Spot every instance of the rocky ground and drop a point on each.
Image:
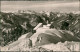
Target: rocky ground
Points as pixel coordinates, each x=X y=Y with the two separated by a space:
x=45 y=40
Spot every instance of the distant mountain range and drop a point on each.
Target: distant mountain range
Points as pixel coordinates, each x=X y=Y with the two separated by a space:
x=40 y=0
x=65 y=6
x=12 y=29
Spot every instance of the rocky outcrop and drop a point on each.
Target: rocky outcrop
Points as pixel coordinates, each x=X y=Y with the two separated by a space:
x=46 y=36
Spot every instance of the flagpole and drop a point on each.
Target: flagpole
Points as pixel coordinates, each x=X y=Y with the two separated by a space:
x=79 y=5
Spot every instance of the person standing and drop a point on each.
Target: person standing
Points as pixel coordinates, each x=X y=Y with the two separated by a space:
x=29 y=43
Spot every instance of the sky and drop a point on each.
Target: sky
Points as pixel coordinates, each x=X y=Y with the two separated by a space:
x=62 y=6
